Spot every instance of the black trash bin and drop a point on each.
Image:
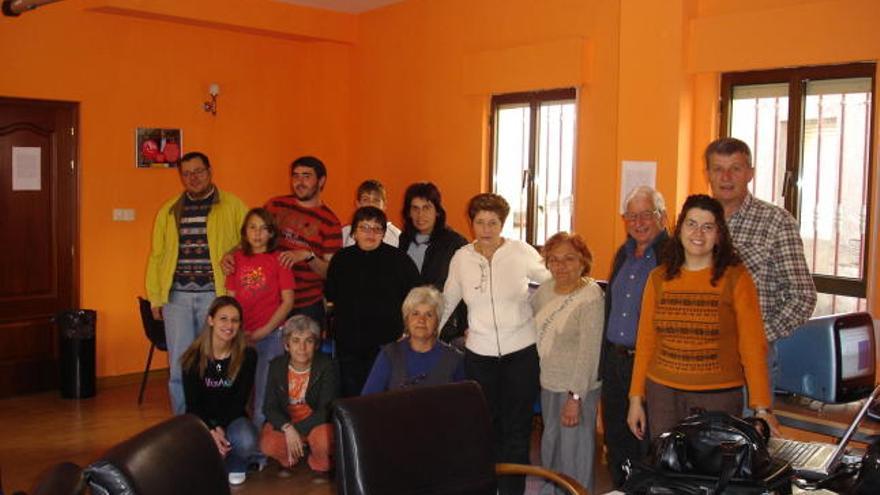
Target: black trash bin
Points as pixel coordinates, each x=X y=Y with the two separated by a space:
x=76 y=332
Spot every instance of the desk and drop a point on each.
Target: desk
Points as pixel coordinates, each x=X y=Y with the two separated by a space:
x=829 y=419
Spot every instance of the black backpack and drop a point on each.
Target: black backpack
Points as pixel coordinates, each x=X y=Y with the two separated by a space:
x=868 y=482
x=711 y=453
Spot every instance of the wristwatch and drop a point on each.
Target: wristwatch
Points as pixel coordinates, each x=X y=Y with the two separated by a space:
x=574 y=396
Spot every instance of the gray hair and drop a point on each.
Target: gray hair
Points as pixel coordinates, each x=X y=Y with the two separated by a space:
x=300 y=323
x=727 y=146
x=425 y=294
x=651 y=194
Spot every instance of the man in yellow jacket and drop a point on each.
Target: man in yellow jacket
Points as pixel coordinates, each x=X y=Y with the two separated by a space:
x=190 y=235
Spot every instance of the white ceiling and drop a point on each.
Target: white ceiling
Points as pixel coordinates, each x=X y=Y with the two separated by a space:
x=350 y=6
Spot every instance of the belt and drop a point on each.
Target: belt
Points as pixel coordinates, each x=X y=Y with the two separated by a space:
x=621 y=349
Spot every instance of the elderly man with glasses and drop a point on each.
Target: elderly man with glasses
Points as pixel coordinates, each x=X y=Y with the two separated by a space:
x=645 y=220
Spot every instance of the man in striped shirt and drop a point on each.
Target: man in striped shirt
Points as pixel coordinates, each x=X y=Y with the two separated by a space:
x=309 y=234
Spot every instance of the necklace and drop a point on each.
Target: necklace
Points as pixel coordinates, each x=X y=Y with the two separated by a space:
x=577 y=286
x=303 y=371
x=549 y=321
x=487 y=251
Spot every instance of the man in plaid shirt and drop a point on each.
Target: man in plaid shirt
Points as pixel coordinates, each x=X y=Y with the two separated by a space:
x=766 y=238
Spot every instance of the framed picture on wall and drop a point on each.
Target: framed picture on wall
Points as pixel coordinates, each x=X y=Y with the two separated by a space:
x=157 y=148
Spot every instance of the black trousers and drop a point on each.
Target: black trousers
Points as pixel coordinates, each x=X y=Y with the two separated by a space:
x=353 y=371
x=510 y=384
x=622 y=445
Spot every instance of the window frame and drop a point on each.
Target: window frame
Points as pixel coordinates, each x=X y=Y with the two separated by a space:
x=533 y=99
x=797 y=79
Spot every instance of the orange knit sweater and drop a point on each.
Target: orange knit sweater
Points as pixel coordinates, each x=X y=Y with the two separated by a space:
x=698 y=337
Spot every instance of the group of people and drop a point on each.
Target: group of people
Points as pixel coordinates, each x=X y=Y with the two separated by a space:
x=686 y=320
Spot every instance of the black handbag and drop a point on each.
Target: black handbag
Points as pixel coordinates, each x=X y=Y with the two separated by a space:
x=711 y=453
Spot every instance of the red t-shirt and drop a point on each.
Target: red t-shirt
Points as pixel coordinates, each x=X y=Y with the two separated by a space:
x=316 y=229
x=258 y=281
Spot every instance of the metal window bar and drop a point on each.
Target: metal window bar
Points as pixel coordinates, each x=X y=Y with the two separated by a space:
x=775 y=147
x=815 y=234
x=753 y=186
x=521 y=230
x=866 y=153
x=560 y=145
x=840 y=178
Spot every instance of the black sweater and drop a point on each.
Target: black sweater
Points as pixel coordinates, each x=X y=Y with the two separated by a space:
x=212 y=397
x=367 y=289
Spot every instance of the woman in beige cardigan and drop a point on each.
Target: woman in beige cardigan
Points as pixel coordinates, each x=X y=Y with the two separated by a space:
x=569 y=313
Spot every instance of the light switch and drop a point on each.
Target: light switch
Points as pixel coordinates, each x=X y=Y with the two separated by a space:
x=123 y=214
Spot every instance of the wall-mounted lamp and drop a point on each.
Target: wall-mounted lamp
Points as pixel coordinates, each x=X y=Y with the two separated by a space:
x=14 y=8
x=211 y=104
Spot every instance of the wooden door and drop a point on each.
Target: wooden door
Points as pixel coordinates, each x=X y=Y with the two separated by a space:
x=38 y=224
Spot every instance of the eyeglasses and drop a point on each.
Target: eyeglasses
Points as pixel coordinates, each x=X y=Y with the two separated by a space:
x=644 y=216
x=199 y=172
x=370 y=229
x=706 y=228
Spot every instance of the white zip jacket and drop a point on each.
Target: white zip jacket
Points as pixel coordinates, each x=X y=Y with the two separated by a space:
x=500 y=317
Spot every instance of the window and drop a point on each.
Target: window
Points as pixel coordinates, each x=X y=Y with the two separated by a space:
x=810 y=133
x=533 y=143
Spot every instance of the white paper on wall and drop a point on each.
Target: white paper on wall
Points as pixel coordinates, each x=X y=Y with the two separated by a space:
x=634 y=174
x=26 y=168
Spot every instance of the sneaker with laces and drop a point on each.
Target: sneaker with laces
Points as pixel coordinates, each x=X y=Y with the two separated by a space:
x=237 y=478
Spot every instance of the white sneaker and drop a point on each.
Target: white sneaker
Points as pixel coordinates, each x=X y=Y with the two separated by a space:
x=237 y=478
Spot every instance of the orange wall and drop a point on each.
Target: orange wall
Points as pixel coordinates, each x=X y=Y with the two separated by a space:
x=279 y=98
x=424 y=73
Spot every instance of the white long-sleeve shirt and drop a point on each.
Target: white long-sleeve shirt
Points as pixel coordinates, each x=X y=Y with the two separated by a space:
x=500 y=317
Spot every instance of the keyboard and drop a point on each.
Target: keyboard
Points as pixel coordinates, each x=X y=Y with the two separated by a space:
x=801 y=455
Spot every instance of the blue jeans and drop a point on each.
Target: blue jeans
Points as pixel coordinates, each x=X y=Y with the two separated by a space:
x=185 y=314
x=242 y=437
x=268 y=349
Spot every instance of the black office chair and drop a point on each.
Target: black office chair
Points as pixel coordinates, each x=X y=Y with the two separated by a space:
x=423 y=440
x=155 y=331
x=176 y=457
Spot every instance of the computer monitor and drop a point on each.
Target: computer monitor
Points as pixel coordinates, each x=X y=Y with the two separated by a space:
x=829 y=358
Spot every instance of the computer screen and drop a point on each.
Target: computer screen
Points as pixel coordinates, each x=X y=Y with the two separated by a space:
x=829 y=358
x=856 y=352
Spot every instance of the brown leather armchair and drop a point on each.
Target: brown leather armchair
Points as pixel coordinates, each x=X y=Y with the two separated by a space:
x=175 y=457
x=425 y=440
